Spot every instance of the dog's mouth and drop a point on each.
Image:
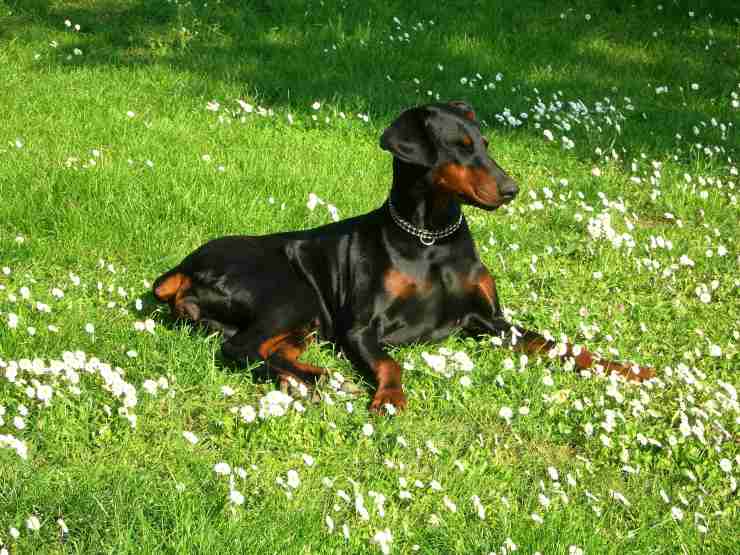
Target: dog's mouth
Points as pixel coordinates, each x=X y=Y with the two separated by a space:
x=475 y=186
x=488 y=202
x=507 y=198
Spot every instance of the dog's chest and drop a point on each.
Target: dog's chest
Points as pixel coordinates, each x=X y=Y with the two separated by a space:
x=431 y=284
x=425 y=303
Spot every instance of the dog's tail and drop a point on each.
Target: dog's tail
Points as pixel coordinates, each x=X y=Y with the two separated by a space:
x=167 y=285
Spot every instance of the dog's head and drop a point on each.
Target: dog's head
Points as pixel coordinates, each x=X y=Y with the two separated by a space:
x=445 y=139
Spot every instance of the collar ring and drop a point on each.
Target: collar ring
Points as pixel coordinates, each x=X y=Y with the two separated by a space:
x=425 y=236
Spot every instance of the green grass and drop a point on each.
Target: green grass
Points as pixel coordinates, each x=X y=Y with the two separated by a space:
x=150 y=198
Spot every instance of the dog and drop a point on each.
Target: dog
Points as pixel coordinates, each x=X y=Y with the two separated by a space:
x=406 y=272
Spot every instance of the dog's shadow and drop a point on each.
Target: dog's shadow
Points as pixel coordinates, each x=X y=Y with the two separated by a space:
x=154 y=309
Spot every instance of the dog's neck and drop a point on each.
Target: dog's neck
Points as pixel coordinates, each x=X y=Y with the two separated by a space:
x=417 y=203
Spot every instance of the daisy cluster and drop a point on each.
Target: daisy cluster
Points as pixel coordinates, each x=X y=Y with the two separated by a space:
x=671 y=418
x=32 y=386
x=396 y=35
x=67 y=54
x=569 y=117
x=30 y=305
x=272 y=405
x=331 y=391
x=614 y=224
x=30 y=310
x=39 y=382
x=82 y=162
x=448 y=364
x=318 y=114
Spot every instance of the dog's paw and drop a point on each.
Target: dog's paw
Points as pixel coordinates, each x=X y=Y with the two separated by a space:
x=643 y=373
x=392 y=396
x=632 y=373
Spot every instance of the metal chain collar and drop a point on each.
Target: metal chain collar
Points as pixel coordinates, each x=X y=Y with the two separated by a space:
x=426 y=237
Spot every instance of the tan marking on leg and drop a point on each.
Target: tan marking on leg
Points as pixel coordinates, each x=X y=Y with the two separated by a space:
x=388 y=374
x=482 y=286
x=269 y=346
x=487 y=288
x=625 y=370
x=169 y=287
x=286 y=348
x=534 y=345
x=291 y=349
x=179 y=306
x=584 y=360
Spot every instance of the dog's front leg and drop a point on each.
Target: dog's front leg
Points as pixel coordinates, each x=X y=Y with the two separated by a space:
x=362 y=346
x=531 y=342
x=488 y=318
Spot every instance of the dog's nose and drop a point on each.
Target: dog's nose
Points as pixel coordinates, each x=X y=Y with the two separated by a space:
x=508 y=188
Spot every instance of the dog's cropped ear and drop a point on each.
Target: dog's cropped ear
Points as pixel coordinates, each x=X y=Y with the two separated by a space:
x=408 y=138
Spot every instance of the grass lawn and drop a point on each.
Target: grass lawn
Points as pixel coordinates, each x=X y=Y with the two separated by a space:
x=132 y=131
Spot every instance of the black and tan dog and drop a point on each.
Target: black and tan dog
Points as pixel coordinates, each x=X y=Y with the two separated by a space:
x=405 y=272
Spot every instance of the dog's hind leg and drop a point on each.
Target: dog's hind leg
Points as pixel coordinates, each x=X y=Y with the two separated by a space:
x=278 y=351
x=167 y=285
x=173 y=287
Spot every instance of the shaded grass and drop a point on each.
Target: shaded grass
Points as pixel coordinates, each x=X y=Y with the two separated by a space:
x=276 y=53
